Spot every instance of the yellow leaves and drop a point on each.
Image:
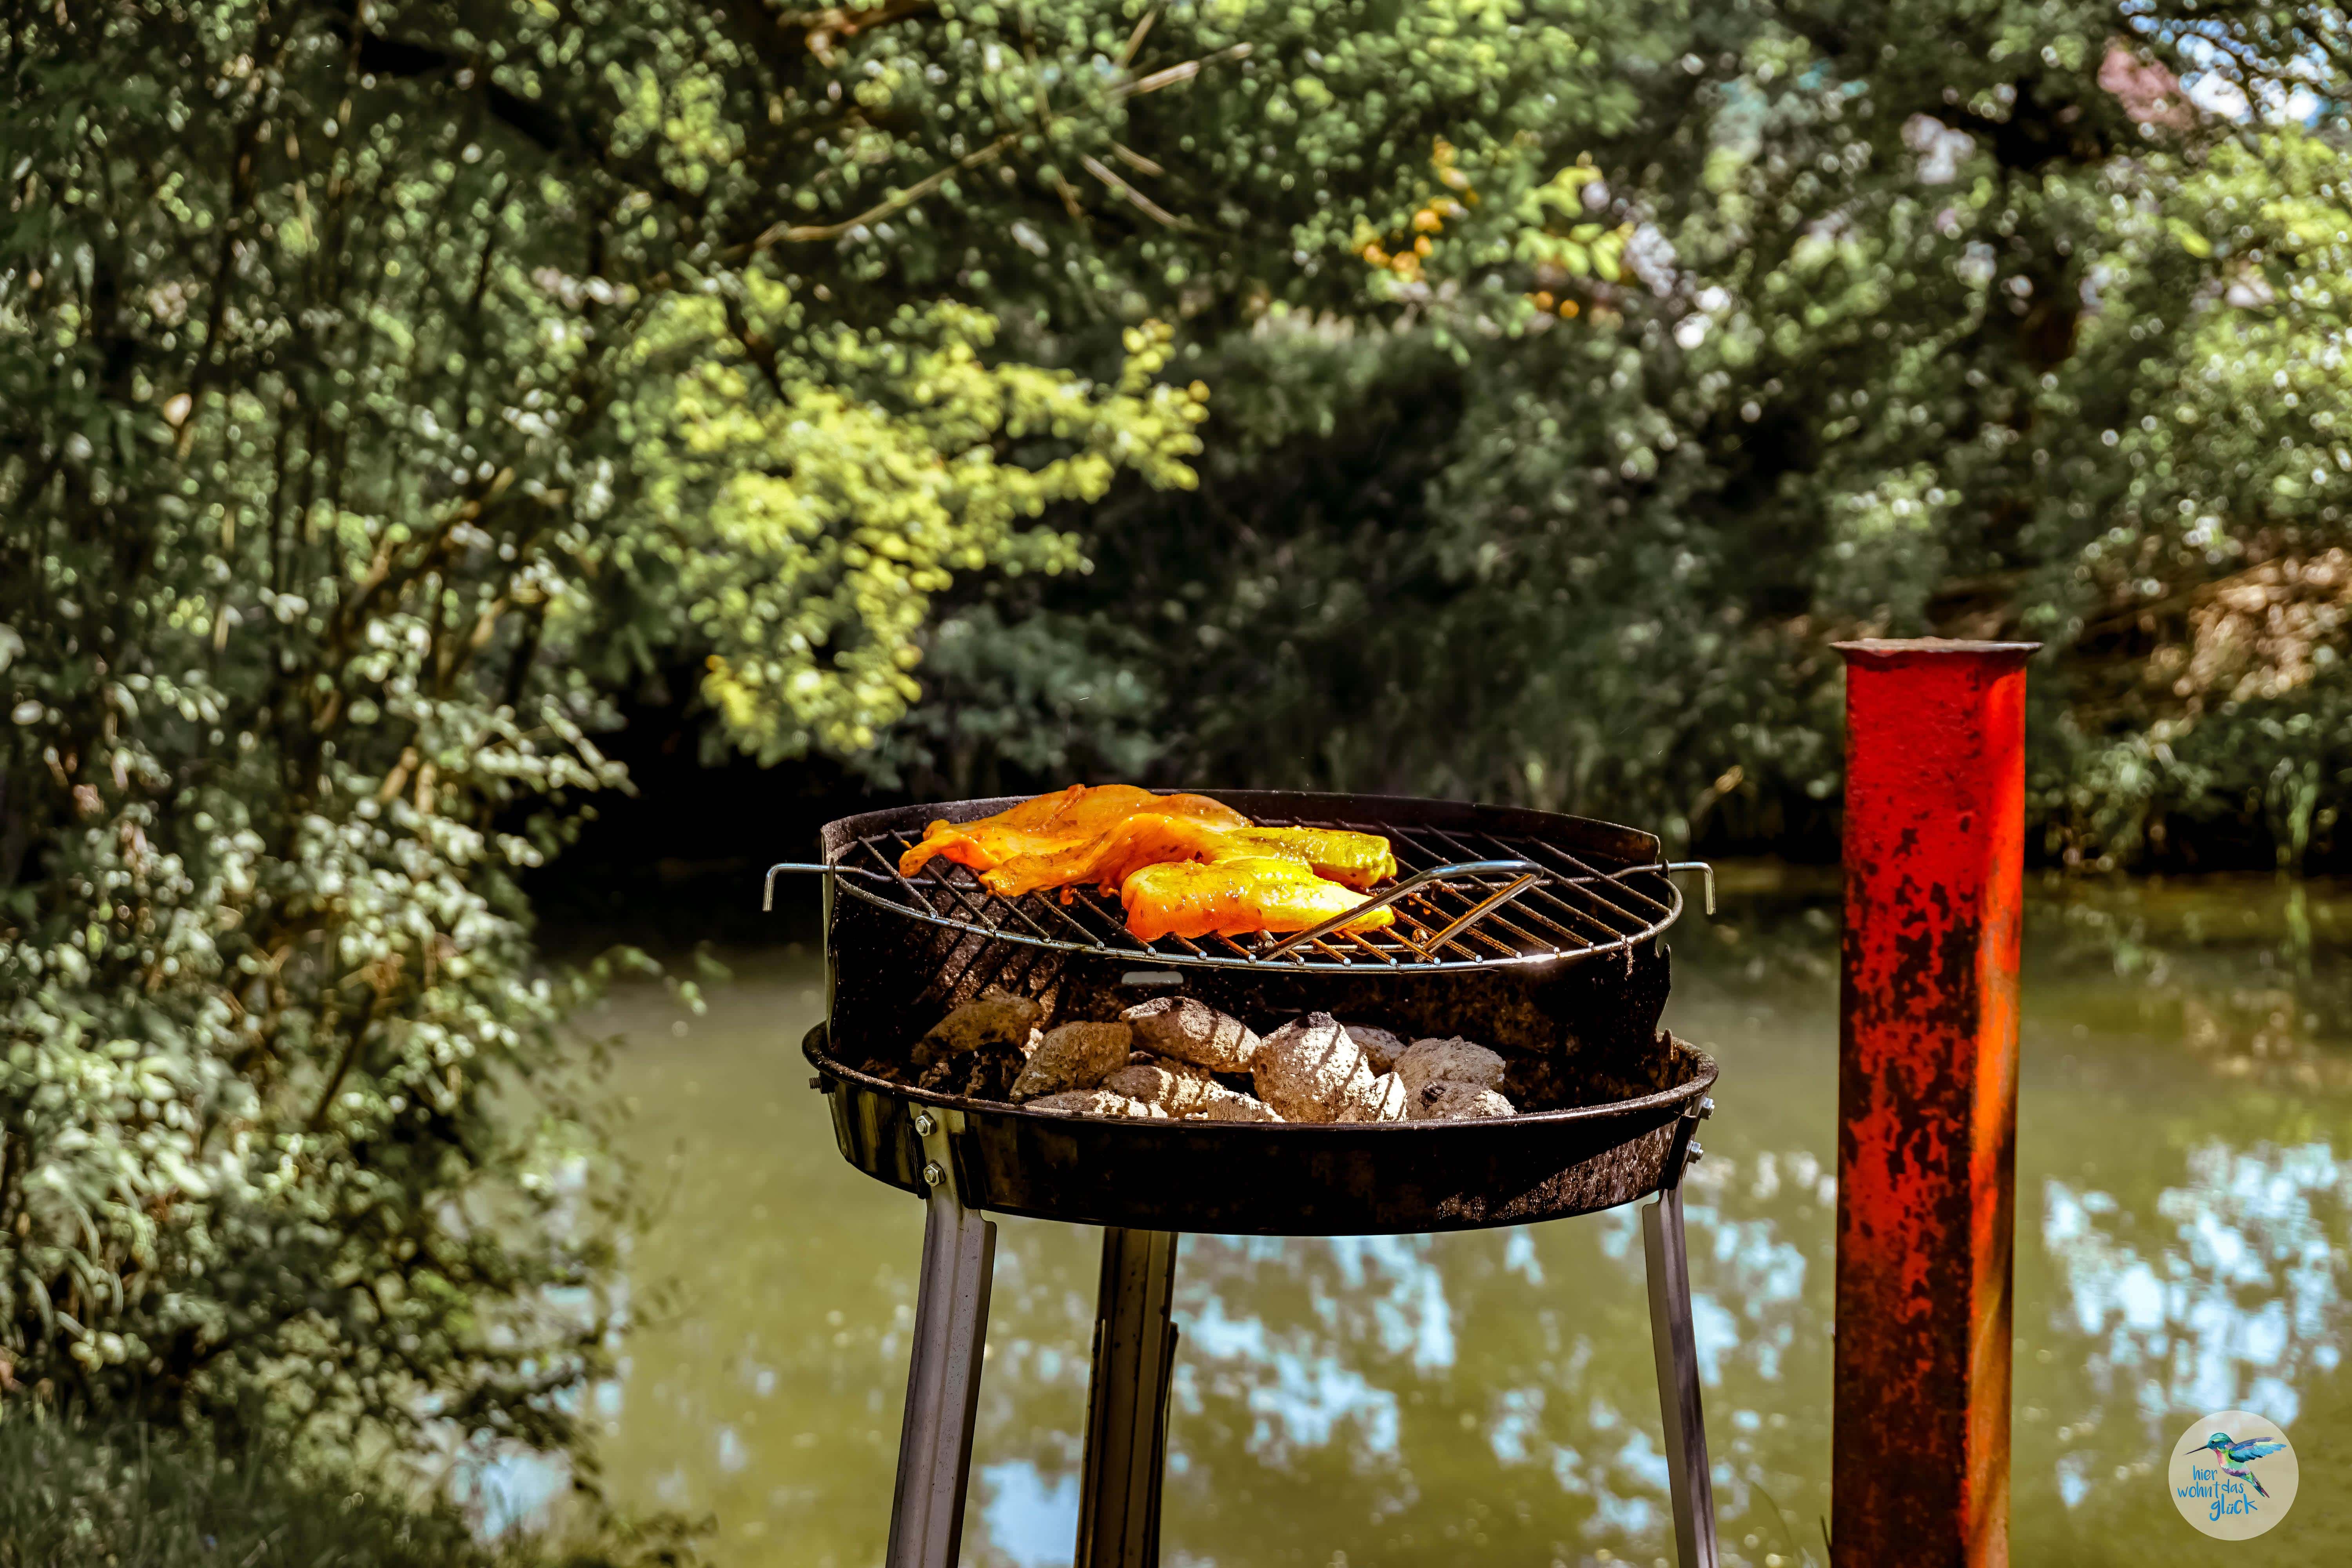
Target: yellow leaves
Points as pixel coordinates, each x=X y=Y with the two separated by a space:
x=818 y=513
x=684 y=115
x=1442 y=157
x=1562 y=194
x=1587 y=250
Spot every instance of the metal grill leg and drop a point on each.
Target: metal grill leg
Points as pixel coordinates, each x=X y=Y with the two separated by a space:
x=1671 y=1340
x=942 y=1384
x=1127 y=1401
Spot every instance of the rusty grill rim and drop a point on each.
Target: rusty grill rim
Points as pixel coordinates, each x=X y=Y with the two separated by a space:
x=1695 y=1087
x=854 y=833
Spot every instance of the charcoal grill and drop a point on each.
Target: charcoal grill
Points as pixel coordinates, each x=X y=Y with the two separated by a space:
x=1537 y=933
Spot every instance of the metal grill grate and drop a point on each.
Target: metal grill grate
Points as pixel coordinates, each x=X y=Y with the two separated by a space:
x=1463 y=897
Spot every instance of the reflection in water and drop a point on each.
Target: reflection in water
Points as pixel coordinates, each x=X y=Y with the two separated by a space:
x=1029 y=1520
x=2233 y=1308
x=2183 y=1220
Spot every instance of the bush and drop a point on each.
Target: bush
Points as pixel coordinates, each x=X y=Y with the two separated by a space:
x=80 y=1496
x=1840 y=333
x=382 y=387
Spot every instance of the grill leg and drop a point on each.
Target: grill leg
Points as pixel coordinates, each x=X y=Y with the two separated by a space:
x=942 y=1384
x=1671 y=1340
x=1127 y=1401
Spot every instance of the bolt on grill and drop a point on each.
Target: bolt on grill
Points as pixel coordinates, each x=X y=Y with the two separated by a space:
x=1463 y=898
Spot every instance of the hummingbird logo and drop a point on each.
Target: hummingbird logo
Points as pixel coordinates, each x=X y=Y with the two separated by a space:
x=2238 y=1456
x=2233 y=1474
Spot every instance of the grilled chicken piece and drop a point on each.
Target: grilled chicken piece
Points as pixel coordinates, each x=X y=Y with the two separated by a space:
x=1196 y=899
x=1153 y=838
x=1066 y=819
x=1357 y=859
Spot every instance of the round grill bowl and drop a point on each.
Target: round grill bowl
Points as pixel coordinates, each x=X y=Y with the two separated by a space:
x=1254 y=1179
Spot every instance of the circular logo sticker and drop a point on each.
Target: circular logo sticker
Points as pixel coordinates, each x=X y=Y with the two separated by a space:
x=2233 y=1475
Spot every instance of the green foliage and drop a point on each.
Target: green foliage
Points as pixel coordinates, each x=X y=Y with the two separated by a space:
x=1822 y=330
x=1507 y=399
x=383 y=383
x=73 y=1495
x=819 y=500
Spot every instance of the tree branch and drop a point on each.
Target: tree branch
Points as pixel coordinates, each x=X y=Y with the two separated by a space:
x=839 y=24
x=1095 y=166
x=1179 y=73
x=810 y=234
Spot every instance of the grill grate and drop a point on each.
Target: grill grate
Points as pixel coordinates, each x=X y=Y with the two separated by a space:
x=1465 y=898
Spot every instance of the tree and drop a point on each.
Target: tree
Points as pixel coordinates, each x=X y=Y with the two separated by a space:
x=1925 y=319
x=383 y=383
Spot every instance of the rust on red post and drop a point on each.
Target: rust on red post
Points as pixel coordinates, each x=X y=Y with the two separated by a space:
x=1934 y=823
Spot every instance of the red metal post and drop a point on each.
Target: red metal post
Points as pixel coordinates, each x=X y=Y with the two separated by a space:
x=1935 y=819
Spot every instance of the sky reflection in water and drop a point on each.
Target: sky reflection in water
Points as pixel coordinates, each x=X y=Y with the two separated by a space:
x=2183 y=1223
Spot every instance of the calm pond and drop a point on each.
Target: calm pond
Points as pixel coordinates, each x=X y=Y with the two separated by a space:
x=2185 y=1208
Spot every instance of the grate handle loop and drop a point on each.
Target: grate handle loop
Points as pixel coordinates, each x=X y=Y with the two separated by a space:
x=809 y=868
x=1699 y=865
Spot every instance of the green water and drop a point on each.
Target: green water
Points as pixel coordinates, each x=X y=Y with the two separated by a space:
x=2184 y=1205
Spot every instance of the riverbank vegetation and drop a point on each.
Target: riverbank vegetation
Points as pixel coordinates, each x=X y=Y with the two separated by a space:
x=131 y=1495
x=1504 y=400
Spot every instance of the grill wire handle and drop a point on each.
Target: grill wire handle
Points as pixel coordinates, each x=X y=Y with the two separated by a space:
x=768 y=887
x=1700 y=866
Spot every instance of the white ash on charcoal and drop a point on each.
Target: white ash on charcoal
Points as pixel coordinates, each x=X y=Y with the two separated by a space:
x=1192 y=1031
x=1232 y=1105
x=1072 y=1057
x=1380 y=1046
x=1177 y=1057
x=1450 y=1060
x=1313 y=1070
x=1385 y=1101
x=1185 y=1091
x=1097 y=1102
x=1443 y=1102
x=1306 y=1067
x=1224 y=1104
x=1177 y=1087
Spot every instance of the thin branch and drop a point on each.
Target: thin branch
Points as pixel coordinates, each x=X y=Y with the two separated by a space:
x=817 y=233
x=811 y=233
x=1137 y=161
x=1095 y=166
x=1135 y=39
x=1180 y=73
